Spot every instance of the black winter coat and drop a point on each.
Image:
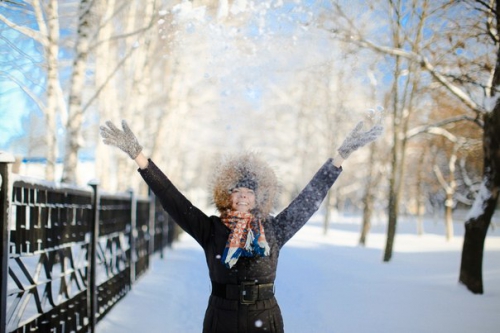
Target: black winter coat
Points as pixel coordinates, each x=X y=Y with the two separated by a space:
x=230 y=316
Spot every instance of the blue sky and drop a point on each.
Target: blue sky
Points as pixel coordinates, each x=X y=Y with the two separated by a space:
x=19 y=65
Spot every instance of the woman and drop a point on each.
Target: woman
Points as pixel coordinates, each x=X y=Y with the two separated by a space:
x=241 y=245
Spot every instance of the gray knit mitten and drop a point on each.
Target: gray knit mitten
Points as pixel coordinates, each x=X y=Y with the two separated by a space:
x=357 y=139
x=125 y=140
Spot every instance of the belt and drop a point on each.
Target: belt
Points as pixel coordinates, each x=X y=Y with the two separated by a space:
x=247 y=292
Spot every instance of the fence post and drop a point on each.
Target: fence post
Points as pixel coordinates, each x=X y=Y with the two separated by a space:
x=133 y=235
x=5 y=197
x=94 y=238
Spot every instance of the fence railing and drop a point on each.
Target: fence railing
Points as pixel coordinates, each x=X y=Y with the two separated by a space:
x=69 y=254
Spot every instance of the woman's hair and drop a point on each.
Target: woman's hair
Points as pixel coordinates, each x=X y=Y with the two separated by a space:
x=245 y=170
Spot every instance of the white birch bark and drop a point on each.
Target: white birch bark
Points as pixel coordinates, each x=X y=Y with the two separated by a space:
x=108 y=105
x=53 y=85
x=73 y=140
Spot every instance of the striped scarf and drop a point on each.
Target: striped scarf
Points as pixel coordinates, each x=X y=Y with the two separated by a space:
x=246 y=237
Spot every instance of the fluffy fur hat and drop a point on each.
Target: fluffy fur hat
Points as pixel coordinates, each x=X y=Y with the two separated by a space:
x=245 y=170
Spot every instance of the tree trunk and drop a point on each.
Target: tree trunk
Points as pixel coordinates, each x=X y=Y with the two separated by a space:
x=449 y=215
x=51 y=51
x=391 y=227
x=397 y=174
x=368 y=197
x=420 y=196
x=420 y=219
x=479 y=218
x=393 y=204
x=105 y=59
x=450 y=192
x=75 y=116
x=367 y=216
x=396 y=171
x=326 y=219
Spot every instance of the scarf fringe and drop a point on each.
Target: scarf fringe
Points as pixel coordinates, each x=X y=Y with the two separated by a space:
x=250 y=239
x=230 y=256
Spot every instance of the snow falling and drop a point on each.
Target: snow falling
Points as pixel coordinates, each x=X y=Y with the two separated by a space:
x=267 y=76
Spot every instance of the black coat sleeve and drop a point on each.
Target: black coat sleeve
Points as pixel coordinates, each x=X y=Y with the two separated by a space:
x=300 y=210
x=188 y=217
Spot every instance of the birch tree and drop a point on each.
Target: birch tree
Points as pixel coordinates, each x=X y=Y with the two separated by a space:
x=130 y=46
x=77 y=82
x=47 y=35
x=449 y=185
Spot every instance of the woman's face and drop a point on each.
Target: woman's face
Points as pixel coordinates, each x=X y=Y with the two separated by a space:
x=242 y=199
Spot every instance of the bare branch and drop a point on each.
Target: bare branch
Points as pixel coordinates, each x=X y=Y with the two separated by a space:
x=24 y=88
x=23 y=30
x=442 y=132
x=463 y=199
x=17 y=49
x=464 y=97
x=13 y=2
x=428 y=128
x=118 y=37
x=472 y=185
x=98 y=91
x=439 y=176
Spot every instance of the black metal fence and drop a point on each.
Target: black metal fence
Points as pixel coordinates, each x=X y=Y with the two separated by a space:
x=70 y=254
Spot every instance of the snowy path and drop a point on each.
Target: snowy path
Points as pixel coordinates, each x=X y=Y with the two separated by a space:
x=328 y=284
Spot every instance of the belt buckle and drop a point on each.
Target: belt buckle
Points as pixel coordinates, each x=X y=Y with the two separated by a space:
x=246 y=294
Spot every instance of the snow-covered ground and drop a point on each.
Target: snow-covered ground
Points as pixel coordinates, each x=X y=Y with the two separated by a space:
x=330 y=284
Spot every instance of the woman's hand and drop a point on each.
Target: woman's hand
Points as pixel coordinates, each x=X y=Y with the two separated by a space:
x=125 y=140
x=357 y=138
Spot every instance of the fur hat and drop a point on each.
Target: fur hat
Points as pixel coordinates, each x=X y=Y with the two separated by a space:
x=245 y=170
